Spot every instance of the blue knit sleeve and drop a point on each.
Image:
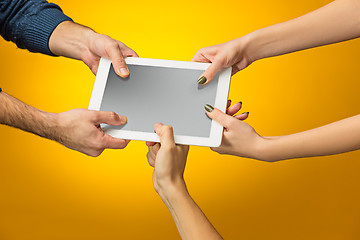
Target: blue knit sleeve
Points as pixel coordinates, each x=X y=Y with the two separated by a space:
x=30 y=23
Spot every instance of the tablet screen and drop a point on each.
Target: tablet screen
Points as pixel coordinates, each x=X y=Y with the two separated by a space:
x=160 y=94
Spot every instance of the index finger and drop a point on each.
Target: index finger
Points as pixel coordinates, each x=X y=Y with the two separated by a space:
x=210 y=73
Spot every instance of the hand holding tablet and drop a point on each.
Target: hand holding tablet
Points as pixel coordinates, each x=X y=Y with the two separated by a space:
x=161 y=91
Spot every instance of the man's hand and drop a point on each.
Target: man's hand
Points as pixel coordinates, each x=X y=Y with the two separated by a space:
x=79 y=42
x=80 y=130
x=104 y=46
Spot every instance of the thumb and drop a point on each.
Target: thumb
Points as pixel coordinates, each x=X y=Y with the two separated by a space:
x=110 y=118
x=210 y=72
x=118 y=60
x=166 y=135
x=220 y=117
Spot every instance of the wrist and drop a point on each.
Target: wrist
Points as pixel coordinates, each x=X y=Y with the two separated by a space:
x=50 y=125
x=259 y=44
x=267 y=149
x=168 y=189
x=71 y=40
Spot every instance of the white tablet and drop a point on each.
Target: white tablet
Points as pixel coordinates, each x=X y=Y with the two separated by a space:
x=161 y=91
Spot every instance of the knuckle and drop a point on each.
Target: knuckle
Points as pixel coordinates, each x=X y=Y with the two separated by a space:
x=201 y=50
x=113 y=115
x=220 y=60
x=231 y=121
x=111 y=44
x=98 y=146
x=122 y=145
x=168 y=127
x=95 y=115
x=216 y=114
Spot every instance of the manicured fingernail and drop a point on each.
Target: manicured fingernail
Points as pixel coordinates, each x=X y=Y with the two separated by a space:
x=209 y=108
x=246 y=113
x=202 y=80
x=240 y=102
x=124 y=71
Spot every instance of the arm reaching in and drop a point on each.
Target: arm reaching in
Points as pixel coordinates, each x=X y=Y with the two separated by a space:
x=78 y=129
x=335 y=22
x=242 y=140
x=169 y=162
x=75 y=41
x=40 y=26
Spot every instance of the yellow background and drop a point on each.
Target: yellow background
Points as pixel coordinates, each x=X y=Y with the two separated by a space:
x=50 y=192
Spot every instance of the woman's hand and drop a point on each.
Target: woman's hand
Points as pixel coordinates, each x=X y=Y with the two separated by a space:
x=239 y=138
x=168 y=159
x=242 y=140
x=230 y=54
x=338 y=21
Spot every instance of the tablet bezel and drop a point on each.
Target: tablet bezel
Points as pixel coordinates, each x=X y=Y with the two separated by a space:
x=222 y=91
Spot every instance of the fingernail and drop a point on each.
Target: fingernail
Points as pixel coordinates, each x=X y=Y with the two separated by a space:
x=202 y=80
x=246 y=113
x=124 y=71
x=209 y=108
x=240 y=102
x=123 y=119
x=229 y=101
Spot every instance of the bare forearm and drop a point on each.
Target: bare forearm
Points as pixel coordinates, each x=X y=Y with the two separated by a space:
x=335 y=22
x=20 y=115
x=189 y=219
x=338 y=137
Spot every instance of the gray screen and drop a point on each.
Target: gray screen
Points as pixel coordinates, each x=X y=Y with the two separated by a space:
x=159 y=94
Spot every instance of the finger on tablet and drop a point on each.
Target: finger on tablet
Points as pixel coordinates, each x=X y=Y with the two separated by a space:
x=242 y=116
x=117 y=59
x=217 y=115
x=234 y=109
x=210 y=72
x=110 y=118
x=166 y=134
x=115 y=143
